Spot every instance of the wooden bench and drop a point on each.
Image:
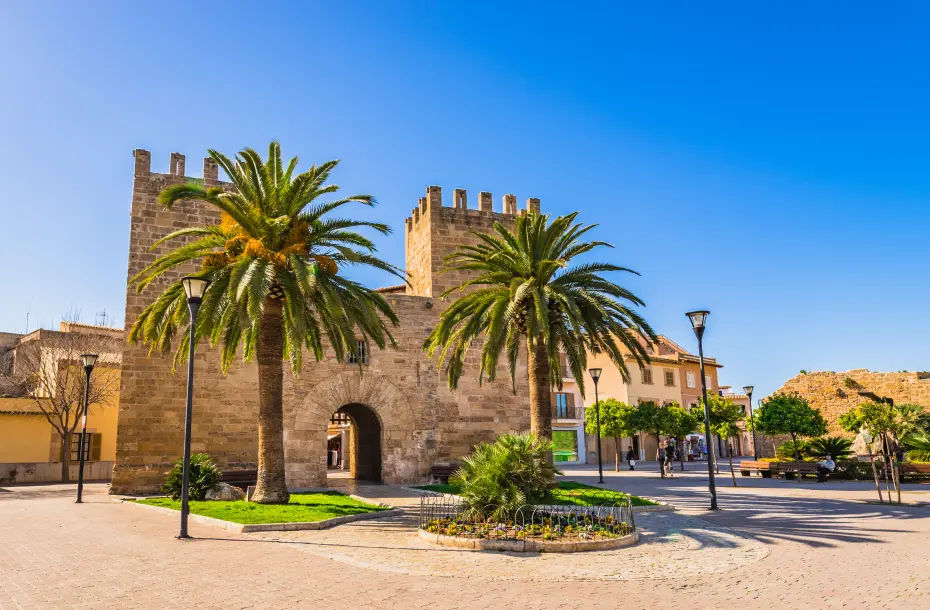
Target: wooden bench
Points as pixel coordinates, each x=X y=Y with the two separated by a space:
x=240 y=478
x=767 y=469
x=440 y=473
x=915 y=471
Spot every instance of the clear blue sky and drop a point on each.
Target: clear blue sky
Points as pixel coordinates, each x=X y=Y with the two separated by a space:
x=770 y=163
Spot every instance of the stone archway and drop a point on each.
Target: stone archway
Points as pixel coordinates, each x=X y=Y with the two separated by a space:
x=373 y=398
x=364 y=450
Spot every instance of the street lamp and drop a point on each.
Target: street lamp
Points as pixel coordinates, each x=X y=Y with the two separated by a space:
x=89 y=361
x=595 y=375
x=195 y=287
x=748 y=389
x=698 y=321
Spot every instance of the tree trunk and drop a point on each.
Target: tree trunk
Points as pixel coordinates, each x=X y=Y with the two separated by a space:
x=66 y=458
x=797 y=456
x=716 y=440
x=617 y=449
x=878 y=485
x=271 y=487
x=660 y=455
x=888 y=482
x=540 y=400
x=681 y=454
x=732 y=472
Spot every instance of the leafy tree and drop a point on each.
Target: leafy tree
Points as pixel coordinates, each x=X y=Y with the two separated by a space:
x=837 y=447
x=791 y=414
x=681 y=423
x=654 y=419
x=724 y=415
x=274 y=261
x=618 y=420
x=498 y=478
x=527 y=292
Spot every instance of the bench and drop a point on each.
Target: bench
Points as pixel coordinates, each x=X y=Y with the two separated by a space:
x=440 y=473
x=240 y=478
x=767 y=469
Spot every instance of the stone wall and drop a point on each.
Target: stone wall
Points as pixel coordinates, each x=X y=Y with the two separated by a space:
x=836 y=393
x=422 y=421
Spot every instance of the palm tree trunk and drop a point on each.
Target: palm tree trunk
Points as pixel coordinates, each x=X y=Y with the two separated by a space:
x=271 y=487
x=65 y=458
x=540 y=401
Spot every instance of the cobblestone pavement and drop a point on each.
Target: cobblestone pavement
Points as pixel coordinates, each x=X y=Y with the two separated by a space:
x=775 y=545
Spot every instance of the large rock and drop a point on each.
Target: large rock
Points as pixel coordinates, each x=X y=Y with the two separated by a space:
x=225 y=491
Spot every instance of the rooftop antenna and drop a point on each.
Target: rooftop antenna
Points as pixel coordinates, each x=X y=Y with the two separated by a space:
x=103 y=317
x=28 y=309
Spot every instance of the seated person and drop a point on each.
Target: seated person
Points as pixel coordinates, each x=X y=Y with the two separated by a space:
x=824 y=469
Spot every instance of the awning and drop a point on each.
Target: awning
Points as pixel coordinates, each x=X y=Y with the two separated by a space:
x=332 y=436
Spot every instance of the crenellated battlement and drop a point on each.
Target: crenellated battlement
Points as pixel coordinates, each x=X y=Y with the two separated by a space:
x=433 y=201
x=176 y=166
x=434 y=231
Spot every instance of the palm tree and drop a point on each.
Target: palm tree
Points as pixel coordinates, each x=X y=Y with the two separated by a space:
x=526 y=296
x=274 y=261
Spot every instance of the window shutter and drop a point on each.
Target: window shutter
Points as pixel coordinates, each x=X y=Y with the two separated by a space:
x=552 y=399
x=94 y=440
x=570 y=400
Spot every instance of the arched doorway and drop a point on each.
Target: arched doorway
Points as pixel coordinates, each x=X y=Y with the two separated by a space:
x=353 y=444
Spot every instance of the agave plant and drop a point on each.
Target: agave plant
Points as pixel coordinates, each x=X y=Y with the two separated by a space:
x=275 y=261
x=836 y=447
x=498 y=478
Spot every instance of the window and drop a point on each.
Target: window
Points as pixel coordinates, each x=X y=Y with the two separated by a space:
x=647 y=376
x=340 y=418
x=690 y=379
x=565 y=446
x=670 y=378
x=91 y=449
x=566 y=369
x=563 y=405
x=360 y=356
x=710 y=381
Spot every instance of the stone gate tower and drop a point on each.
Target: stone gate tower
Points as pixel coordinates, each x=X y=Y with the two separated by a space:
x=398 y=399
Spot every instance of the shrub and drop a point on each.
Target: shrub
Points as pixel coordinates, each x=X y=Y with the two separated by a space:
x=497 y=479
x=917 y=445
x=836 y=447
x=855 y=470
x=204 y=475
x=786 y=449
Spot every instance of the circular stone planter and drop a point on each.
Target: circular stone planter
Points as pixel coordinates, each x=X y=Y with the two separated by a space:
x=529 y=546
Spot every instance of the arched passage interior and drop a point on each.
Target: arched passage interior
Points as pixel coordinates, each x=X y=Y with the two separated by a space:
x=355 y=433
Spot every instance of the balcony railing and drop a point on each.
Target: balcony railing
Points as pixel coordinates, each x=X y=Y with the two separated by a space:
x=566 y=412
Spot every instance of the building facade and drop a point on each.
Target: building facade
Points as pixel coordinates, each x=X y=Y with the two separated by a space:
x=404 y=419
x=30 y=447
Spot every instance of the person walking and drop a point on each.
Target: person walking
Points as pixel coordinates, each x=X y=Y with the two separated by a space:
x=669 y=458
x=631 y=458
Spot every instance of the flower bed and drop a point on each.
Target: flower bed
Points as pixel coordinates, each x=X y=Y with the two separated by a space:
x=560 y=528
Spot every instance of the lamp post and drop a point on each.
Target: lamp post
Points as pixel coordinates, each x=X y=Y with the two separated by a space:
x=748 y=389
x=698 y=321
x=195 y=287
x=595 y=375
x=89 y=361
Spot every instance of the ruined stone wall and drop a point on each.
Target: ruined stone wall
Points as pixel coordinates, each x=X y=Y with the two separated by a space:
x=422 y=421
x=836 y=393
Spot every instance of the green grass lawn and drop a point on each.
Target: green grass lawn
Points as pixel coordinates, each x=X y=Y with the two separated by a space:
x=568 y=492
x=301 y=508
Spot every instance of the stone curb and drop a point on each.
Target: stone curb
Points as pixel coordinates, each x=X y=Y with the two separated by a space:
x=529 y=546
x=245 y=528
x=661 y=508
